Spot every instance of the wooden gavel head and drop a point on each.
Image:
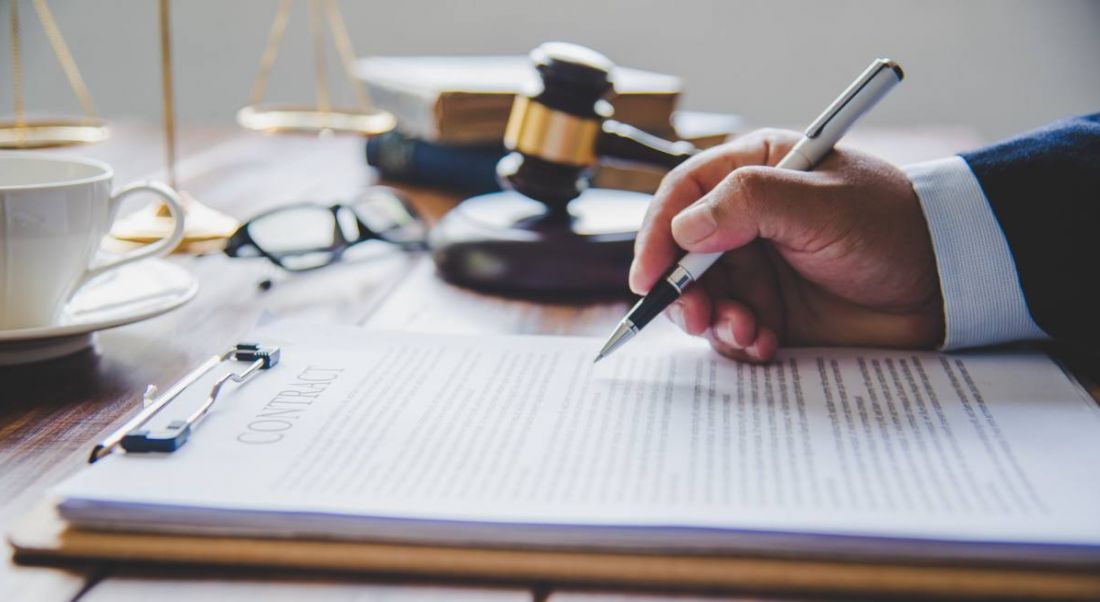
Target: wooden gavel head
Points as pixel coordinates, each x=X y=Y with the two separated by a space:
x=560 y=130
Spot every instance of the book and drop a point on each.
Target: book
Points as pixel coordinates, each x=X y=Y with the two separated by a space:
x=467 y=99
x=521 y=442
x=468 y=169
x=471 y=169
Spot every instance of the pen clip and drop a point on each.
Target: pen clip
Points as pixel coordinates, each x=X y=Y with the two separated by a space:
x=853 y=90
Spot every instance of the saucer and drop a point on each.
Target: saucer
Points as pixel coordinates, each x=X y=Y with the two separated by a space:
x=129 y=294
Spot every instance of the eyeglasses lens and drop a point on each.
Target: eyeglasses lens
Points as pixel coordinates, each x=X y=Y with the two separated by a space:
x=389 y=216
x=302 y=238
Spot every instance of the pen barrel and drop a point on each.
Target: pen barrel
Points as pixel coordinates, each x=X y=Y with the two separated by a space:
x=797 y=158
x=860 y=97
x=696 y=264
x=662 y=295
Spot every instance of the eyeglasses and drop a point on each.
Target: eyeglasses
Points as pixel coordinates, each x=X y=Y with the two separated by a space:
x=307 y=236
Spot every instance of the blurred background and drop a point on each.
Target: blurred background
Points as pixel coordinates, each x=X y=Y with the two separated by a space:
x=999 y=66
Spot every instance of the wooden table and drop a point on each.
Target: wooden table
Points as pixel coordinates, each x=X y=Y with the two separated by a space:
x=51 y=413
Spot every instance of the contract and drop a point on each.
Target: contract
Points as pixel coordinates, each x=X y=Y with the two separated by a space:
x=522 y=441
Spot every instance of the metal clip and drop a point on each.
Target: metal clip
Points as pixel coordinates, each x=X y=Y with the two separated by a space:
x=134 y=438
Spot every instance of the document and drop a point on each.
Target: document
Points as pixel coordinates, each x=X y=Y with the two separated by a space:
x=522 y=441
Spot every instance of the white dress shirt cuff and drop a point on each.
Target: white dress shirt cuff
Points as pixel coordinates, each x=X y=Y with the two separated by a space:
x=982 y=298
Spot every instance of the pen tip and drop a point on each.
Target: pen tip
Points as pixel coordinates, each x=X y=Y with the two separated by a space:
x=598 y=358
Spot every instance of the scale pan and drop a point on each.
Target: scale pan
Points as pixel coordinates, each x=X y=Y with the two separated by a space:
x=46 y=133
x=309 y=120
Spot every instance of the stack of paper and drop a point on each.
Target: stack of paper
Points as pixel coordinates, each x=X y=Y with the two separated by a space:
x=523 y=442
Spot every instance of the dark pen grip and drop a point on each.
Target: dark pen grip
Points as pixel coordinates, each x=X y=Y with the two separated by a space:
x=661 y=296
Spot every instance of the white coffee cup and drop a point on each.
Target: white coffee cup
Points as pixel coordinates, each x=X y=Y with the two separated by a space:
x=54 y=213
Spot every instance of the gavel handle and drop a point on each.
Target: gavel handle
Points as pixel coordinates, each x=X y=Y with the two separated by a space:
x=619 y=142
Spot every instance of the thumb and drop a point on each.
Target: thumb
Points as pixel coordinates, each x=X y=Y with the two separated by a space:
x=752 y=202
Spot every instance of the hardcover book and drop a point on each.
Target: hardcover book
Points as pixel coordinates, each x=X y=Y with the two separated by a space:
x=467 y=99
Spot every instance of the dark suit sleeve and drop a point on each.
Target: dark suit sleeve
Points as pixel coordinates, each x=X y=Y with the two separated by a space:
x=1044 y=189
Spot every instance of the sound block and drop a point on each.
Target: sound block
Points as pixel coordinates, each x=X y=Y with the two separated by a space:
x=507 y=243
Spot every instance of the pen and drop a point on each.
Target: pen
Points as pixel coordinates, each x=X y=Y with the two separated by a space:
x=818 y=139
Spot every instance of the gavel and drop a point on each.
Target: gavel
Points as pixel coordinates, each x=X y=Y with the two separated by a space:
x=549 y=234
x=559 y=131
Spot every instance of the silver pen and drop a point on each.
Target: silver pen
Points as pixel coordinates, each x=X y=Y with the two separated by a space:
x=818 y=139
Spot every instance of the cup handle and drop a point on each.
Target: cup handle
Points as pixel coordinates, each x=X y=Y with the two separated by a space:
x=161 y=247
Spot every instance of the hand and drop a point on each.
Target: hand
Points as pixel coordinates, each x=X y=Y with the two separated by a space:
x=839 y=256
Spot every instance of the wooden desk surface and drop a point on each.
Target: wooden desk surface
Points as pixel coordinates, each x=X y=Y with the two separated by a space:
x=51 y=413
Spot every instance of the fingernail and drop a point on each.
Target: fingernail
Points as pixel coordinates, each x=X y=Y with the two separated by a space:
x=631 y=278
x=753 y=351
x=725 y=334
x=676 y=314
x=693 y=224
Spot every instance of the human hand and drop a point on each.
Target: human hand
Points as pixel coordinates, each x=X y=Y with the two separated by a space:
x=839 y=256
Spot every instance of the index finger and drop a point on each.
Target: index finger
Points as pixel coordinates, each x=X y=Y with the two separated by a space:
x=654 y=248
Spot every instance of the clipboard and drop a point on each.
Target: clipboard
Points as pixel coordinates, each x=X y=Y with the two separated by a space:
x=42 y=537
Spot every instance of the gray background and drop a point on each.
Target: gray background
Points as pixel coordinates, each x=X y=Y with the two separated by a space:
x=1001 y=67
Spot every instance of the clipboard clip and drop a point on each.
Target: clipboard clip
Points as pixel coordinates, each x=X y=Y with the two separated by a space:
x=135 y=439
